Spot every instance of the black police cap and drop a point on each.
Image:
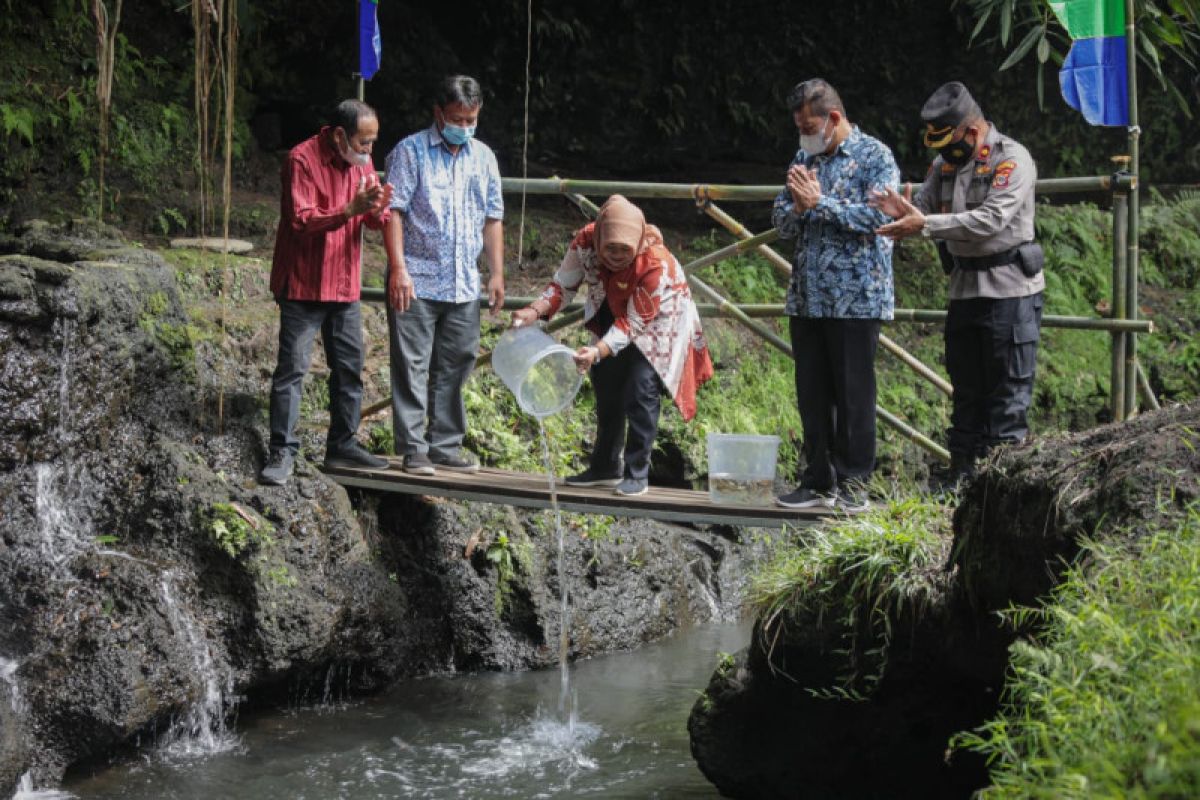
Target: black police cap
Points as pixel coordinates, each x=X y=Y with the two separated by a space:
x=948 y=107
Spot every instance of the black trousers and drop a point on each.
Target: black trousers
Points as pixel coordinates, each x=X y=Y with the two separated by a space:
x=991 y=355
x=835 y=393
x=628 y=390
x=340 y=325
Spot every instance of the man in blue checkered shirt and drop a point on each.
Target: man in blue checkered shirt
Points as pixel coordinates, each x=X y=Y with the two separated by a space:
x=446 y=210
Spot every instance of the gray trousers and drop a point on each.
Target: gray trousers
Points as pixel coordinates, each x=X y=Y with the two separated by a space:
x=341 y=333
x=433 y=349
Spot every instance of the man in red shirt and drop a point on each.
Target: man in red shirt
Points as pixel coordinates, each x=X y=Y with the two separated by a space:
x=330 y=191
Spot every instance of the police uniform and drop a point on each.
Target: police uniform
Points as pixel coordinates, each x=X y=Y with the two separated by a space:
x=981 y=215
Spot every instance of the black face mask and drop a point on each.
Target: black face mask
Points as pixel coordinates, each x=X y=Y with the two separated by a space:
x=957 y=153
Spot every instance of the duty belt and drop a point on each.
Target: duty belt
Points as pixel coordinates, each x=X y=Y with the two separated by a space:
x=979 y=263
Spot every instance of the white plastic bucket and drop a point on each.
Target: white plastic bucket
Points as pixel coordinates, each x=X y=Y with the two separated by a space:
x=538 y=370
x=741 y=468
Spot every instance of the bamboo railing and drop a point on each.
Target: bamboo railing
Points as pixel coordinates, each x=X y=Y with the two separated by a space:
x=1127 y=378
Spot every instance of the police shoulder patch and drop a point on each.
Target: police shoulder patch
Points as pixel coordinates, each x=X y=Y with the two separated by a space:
x=1003 y=171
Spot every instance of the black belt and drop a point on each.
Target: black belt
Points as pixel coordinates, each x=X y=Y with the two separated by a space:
x=979 y=263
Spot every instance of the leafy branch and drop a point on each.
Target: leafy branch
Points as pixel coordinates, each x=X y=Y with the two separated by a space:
x=1168 y=31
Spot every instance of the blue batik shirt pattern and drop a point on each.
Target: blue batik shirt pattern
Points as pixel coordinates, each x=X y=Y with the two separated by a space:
x=841 y=269
x=445 y=199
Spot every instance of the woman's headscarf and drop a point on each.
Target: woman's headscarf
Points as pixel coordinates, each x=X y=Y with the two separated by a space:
x=620 y=221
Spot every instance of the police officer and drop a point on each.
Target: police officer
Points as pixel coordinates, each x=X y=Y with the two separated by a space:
x=977 y=204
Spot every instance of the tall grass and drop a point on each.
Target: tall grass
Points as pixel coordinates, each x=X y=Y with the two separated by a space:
x=856 y=576
x=1105 y=700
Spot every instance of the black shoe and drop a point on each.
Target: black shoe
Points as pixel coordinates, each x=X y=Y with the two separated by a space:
x=806 y=498
x=418 y=464
x=455 y=463
x=853 y=498
x=591 y=478
x=278 y=468
x=631 y=487
x=354 y=456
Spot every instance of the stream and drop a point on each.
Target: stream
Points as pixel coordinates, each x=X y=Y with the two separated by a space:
x=486 y=735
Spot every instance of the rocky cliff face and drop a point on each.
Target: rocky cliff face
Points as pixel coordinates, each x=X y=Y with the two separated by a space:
x=759 y=731
x=148 y=585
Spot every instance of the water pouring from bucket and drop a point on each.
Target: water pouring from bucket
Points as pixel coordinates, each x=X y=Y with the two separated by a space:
x=539 y=371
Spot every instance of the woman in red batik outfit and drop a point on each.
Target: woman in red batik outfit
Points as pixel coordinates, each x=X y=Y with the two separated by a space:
x=635 y=293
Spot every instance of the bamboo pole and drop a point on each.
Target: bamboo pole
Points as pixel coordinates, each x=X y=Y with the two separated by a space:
x=1131 y=271
x=785 y=269
x=739 y=230
x=716 y=191
x=1146 y=390
x=1131 y=287
x=1120 y=231
x=902 y=315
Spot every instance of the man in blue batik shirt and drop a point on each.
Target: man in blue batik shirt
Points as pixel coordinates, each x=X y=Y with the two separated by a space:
x=446 y=210
x=841 y=289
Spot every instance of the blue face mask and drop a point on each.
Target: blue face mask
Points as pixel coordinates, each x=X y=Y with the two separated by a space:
x=456 y=134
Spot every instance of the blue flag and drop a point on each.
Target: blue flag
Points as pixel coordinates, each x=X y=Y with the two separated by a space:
x=370 y=44
x=1094 y=75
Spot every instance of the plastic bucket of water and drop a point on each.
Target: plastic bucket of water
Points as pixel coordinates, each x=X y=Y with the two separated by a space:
x=538 y=370
x=741 y=468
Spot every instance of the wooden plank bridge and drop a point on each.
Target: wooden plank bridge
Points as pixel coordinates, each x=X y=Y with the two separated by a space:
x=533 y=491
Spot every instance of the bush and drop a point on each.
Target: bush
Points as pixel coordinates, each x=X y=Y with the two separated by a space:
x=1104 y=701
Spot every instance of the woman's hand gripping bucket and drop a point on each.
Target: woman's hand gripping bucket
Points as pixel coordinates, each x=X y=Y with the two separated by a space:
x=538 y=370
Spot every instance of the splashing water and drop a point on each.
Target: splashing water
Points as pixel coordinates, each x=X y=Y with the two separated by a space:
x=26 y=791
x=202 y=731
x=566 y=734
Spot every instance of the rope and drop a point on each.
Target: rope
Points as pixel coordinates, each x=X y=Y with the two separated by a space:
x=525 y=134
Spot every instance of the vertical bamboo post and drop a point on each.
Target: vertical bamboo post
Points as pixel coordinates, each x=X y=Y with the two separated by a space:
x=1131 y=274
x=1120 y=213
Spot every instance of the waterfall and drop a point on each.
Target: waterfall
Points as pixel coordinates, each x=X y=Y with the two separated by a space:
x=61 y=529
x=202 y=731
x=8 y=675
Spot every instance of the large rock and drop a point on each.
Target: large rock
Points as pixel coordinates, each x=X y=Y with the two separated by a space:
x=145 y=576
x=767 y=726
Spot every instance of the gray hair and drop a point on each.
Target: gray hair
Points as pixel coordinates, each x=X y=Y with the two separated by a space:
x=458 y=89
x=349 y=113
x=818 y=95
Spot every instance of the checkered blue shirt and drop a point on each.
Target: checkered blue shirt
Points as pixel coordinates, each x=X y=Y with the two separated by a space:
x=445 y=198
x=841 y=269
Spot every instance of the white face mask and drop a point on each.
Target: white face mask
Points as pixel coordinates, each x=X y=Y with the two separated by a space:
x=353 y=157
x=814 y=144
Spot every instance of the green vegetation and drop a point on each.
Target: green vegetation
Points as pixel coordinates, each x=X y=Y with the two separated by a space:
x=235 y=531
x=246 y=536
x=177 y=340
x=1102 y=700
x=855 y=577
x=500 y=554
